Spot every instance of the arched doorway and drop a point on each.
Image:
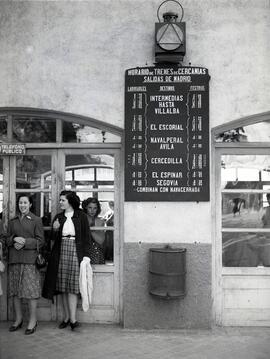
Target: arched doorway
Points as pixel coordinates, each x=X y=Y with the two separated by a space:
x=241 y=250
x=66 y=151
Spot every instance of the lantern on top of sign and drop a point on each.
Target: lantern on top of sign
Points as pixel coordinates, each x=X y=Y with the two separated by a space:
x=170 y=36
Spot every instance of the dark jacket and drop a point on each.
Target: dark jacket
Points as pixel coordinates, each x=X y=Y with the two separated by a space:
x=82 y=240
x=30 y=227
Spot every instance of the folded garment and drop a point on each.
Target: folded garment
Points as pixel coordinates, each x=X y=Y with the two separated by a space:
x=86 y=283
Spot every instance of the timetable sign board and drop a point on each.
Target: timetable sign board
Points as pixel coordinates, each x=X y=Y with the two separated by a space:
x=167 y=134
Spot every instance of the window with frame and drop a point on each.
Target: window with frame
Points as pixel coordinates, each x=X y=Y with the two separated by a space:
x=245 y=181
x=245 y=192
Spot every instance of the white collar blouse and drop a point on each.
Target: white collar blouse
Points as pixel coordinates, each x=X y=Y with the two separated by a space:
x=68 y=227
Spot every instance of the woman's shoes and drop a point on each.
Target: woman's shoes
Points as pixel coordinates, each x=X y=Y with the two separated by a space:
x=13 y=328
x=31 y=331
x=74 y=325
x=63 y=324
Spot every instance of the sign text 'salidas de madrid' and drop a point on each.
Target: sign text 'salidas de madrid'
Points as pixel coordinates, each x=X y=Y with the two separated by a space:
x=167 y=134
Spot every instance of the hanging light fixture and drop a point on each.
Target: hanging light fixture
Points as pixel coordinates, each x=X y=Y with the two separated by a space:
x=170 y=36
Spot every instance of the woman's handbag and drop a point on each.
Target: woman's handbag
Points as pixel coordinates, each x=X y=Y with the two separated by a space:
x=41 y=261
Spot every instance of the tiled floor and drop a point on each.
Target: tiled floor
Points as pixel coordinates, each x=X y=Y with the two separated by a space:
x=111 y=342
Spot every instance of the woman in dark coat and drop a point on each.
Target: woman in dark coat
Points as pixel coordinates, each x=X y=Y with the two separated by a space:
x=25 y=235
x=71 y=242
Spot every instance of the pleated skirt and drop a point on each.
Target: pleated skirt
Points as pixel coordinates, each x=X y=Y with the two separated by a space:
x=68 y=270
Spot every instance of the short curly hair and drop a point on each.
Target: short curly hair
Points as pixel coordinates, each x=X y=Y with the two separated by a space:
x=86 y=202
x=73 y=198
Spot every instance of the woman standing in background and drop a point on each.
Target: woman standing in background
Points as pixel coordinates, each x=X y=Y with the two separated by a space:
x=92 y=208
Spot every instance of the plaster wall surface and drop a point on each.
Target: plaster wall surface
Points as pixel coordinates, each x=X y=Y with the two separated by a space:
x=186 y=222
x=142 y=310
x=71 y=56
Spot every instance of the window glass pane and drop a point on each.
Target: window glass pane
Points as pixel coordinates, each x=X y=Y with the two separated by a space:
x=245 y=171
x=257 y=132
x=3 y=129
x=105 y=198
x=34 y=130
x=246 y=249
x=108 y=215
x=109 y=247
x=73 y=132
x=105 y=174
x=32 y=172
x=46 y=209
x=84 y=172
x=244 y=210
x=107 y=212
